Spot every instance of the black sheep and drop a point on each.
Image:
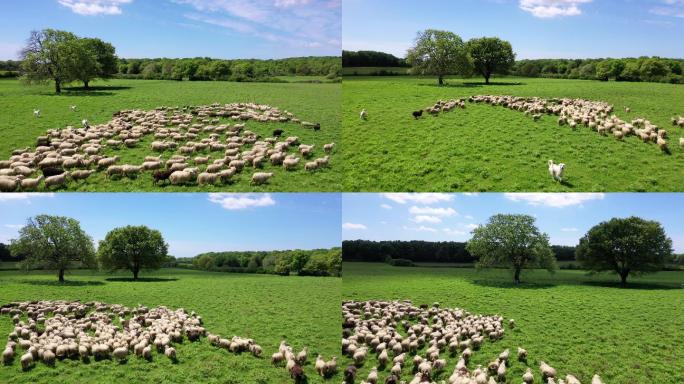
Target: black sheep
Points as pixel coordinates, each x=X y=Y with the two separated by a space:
x=161 y=175
x=417 y=114
x=392 y=379
x=349 y=374
x=52 y=171
x=317 y=127
x=277 y=132
x=297 y=373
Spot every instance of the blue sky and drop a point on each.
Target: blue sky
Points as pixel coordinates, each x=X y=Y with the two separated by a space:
x=183 y=28
x=535 y=28
x=192 y=223
x=451 y=217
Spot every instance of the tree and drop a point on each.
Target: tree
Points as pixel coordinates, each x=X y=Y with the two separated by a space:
x=607 y=69
x=654 y=69
x=54 y=242
x=133 y=248
x=491 y=55
x=631 y=246
x=512 y=241
x=97 y=60
x=47 y=57
x=438 y=53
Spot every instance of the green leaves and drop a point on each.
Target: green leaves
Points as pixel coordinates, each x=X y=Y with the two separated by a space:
x=438 y=53
x=491 y=55
x=133 y=248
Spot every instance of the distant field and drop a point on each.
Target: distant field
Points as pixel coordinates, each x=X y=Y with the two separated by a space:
x=302 y=310
x=579 y=324
x=485 y=148
x=362 y=71
x=311 y=102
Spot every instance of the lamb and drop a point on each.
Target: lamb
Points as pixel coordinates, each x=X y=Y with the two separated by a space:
x=363 y=115
x=31 y=184
x=207 y=178
x=58 y=180
x=546 y=370
x=417 y=114
x=327 y=148
x=311 y=166
x=320 y=365
x=556 y=170
x=528 y=377
x=260 y=178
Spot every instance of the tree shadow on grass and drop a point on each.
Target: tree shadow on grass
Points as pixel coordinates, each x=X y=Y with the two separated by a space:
x=142 y=279
x=507 y=284
x=68 y=283
x=469 y=84
x=637 y=285
x=92 y=91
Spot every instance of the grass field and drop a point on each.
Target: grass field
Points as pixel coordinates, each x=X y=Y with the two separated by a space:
x=302 y=310
x=576 y=323
x=485 y=148
x=312 y=102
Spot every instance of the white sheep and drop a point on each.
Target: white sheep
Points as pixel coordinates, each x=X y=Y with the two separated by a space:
x=180 y=177
x=260 y=178
x=570 y=379
x=327 y=148
x=311 y=166
x=596 y=380
x=528 y=377
x=364 y=114
x=26 y=361
x=207 y=178
x=31 y=184
x=546 y=370
x=57 y=180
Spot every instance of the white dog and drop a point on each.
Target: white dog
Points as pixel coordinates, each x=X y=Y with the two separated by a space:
x=556 y=170
x=73 y=108
x=85 y=123
x=36 y=112
x=363 y=115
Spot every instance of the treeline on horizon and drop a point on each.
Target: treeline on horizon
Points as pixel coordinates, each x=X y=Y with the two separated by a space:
x=641 y=69
x=315 y=262
x=208 y=69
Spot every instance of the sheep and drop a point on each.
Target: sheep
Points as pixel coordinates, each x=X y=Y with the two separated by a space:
x=277 y=358
x=170 y=352
x=311 y=166
x=570 y=379
x=255 y=350
x=681 y=142
x=503 y=356
x=302 y=356
x=207 y=178
x=306 y=150
x=180 y=177
x=596 y=380
x=662 y=144
x=260 y=178
x=107 y=161
x=290 y=163
x=26 y=361
x=546 y=370
x=363 y=115
x=49 y=357
x=131 y=170
x=31 y=184
x=330 y=366
x=327 y=148
x=522 y=354
x=147 y=352
x=373 y=376
x=57 y=180
x=297 y=373
x=511 y=323
x=120 y=354
x=528 y=377
x=8 y=184
x=7 y=355
x=349 y=374
x=619 y=135
x=73 y=108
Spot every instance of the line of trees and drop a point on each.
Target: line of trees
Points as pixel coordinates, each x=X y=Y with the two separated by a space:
x=371 y=59
x=316 y=262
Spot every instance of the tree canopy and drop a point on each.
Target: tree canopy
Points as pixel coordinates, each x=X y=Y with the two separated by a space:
x=491 y=55
x=438 y=53
x=629 y=246
x=133 y=248
x=512 y=241
x=54 y=242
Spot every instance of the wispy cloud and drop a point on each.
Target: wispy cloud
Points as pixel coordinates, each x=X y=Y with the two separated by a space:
x=443 y=212
x=420 y=198
x=422 y=228
x=353 y=226
x=95 y=7
x=4 y=197
x=555 y=200
x=426 y=219
x=547 y=9
x=671 y=8
x=238 y=201
x=386 y=206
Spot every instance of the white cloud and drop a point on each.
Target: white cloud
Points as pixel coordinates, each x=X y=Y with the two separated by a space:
x=442 y=212
x=290 y=3
x=547 y=9
x=353 y=226
x=426 y=219
x=555 y=200
x=386 y=206
x=454 y=232
x=22 y=196
x=95 y=7
x=471 y=194
x=420 y=198
x=422 y=228
x=238 y=201
x=572 y=229
x=469 y=217
x=471 y=226
x=671 y=8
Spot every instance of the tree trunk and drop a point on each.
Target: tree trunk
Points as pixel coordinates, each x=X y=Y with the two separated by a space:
x=441 y=80
x=135 y=273
x=61 y=275
x=58 y=86
x=85 y=84
x=517 y=275
x=487 y=78
x=623 y=277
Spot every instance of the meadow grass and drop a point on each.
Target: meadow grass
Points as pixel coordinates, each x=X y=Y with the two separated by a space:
x=311 y=102
x=579 y=324
x=304 y=311
x=486 y=148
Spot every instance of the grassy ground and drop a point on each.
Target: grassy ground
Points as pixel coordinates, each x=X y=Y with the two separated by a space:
x=576 y=323
x=485 y=148
x=312 y=102
x=302 y=310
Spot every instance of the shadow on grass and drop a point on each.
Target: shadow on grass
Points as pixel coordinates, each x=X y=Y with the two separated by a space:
x=68 y=283
x=642 y=286
x=469 y=84
x=142 y=279
x=92 y=91
x=507 y=284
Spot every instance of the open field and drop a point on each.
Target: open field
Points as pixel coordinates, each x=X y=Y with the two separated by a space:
x=485 y=148
x=311 y=102
x=578 y=324
x=302 y=310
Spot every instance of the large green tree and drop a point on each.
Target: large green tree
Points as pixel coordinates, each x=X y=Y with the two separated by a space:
x=54 y=242
x=511 y=241
x=630 y=246
x=93 y=58
x=133 y=248
x=438 y=53
x=48 y=56
x=491 y=55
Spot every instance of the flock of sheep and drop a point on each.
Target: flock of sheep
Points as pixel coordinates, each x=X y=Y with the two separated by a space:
x=595 y=115
x=57 y=330
x=402 y=337
x=224 y=150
